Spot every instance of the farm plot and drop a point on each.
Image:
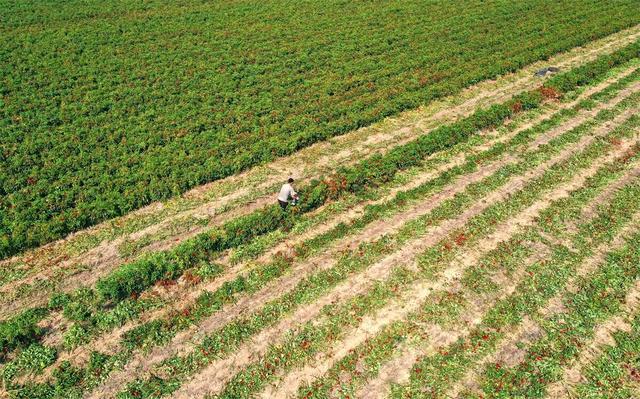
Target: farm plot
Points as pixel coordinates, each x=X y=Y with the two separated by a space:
x=109 y=106
x=83 y=258
x=495 y=256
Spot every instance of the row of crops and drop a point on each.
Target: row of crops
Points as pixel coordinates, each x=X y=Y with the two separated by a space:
x=93 y=341
x=106 y=109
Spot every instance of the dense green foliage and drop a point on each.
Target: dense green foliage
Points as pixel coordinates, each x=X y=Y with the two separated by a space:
x=108 y=106
x=20 y=330
x=135 y=277
x=510 y=170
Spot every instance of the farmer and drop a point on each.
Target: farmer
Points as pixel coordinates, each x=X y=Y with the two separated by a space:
x=287 y=192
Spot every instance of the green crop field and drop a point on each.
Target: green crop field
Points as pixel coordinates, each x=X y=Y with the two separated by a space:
x=108 y=106
x=466 y=228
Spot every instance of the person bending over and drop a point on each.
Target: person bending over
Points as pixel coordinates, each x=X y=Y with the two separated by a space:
x=287 y=192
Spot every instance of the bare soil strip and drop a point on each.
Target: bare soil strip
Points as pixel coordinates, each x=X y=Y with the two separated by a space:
x=185 y=293
x=90 y=277
x=398 y=369
x=45 y=261
x=510 y=350
x=372 y=325
x=407 y=255
x=611 y=190
x=323 y=362
x=141 y=363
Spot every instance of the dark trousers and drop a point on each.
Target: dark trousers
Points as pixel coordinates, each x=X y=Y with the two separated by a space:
x=283 y=204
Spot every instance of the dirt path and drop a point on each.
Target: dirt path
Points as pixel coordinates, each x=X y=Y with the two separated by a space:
x=398 y=369
x=90 y=278
x=141 y=363
x=371 y=326
x=186 y=293
x=511 y=350
x=405 y=256
x=611 y=190
x=323 y=362
x=45 y=262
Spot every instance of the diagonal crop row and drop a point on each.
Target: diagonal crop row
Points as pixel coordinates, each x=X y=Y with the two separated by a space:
x=602 y=336
x=600 y=190
x=472 y=275
x=614 y=374
x=596 y=299
x=440 y=318
x=432 y=375
x=348 y=375
x=613 y=216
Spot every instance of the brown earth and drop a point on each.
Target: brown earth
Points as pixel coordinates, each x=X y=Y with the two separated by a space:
x=403 y=256
x=44 y=263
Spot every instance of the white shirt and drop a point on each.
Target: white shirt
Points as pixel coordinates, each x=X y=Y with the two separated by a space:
x=285 y=192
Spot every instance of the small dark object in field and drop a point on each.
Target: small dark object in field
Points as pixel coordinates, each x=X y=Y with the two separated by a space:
x=546 y=70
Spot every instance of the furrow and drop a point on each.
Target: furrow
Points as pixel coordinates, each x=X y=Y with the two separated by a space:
x=510 y=352
x=595 y=303
x=372 y=325
x=141 y=364
x=513 y=349
x=323 y=362
x=397 y=370
x=605 y=196
x=218 y=373
x=105 y=255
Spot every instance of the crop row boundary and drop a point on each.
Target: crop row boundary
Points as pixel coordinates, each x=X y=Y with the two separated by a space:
x=56 y=252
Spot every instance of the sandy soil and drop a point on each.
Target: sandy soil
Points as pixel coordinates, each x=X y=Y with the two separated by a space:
x=44 y=263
